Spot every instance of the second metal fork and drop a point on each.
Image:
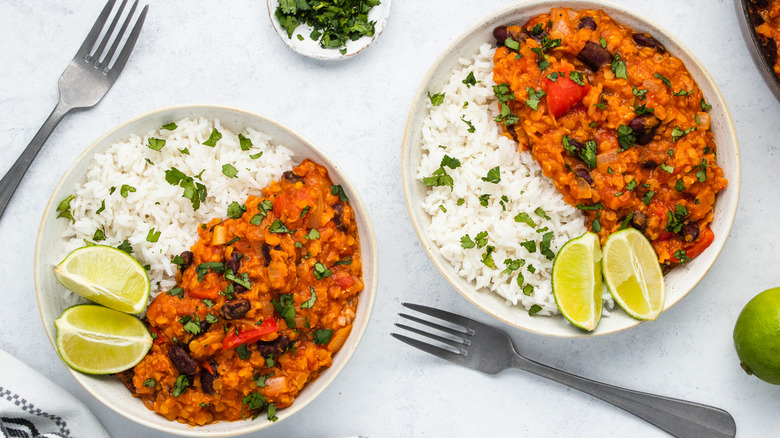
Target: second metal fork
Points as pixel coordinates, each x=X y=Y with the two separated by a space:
x=83 y=83
x=487 y=349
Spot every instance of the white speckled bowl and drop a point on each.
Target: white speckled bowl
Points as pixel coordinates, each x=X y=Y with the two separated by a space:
x=108 y=389
x=682 y=279
x=308 y=47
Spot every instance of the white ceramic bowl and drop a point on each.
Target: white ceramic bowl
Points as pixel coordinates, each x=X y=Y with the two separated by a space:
x=108 y=389
x=681 y=279
x=308 y=47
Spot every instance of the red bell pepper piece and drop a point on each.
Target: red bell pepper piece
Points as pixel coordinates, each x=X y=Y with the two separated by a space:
x=233 y=340
x=563 y=93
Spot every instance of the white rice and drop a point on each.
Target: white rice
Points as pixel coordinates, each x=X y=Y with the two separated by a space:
x=522 y=182
x=159 y=205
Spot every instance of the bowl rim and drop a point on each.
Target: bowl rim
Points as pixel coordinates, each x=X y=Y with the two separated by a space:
x=343 y=355
x=750 y=36
x=443 y=266
x=308 y=48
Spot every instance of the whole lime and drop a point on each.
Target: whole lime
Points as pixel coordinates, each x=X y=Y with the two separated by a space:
x=757 y=336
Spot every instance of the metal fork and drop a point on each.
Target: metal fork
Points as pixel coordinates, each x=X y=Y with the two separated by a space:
x=83 y=83
x=484 y=348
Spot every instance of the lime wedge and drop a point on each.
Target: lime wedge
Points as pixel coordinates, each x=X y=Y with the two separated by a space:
x=98 y=340
x=107 y=276
x=576 y=281
x=633 y=275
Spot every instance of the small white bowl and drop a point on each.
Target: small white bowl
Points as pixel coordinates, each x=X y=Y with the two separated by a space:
x=108 y=389
x=308 y=47
x=682 y=279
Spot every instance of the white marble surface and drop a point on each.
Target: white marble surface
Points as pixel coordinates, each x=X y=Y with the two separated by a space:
x=226 y=52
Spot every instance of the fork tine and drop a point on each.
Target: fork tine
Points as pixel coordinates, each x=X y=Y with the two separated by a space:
x=129 y=44
x=118 y=39
x=460 y=359
x=106 y=36
x=94 y=33
x=443 y=315
x=459 y=344
x=456 y=333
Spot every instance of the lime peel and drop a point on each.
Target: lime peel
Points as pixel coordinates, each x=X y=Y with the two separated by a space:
x=577 y=281
x=107 y=276
x=97 y=340
x=633 y=275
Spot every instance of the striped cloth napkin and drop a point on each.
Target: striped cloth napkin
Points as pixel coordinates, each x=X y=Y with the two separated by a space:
x=31 y=406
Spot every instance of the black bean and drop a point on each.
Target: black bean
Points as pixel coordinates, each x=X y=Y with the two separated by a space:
x=338 y=210
x=594 y=56
x=584 y=174
x=291 y=176
x=647 y=40
x=207 y=381
x=689 y=231
x=578 y=146
x=234 y=264
x=235 y=309
x=266 y=250
x=187 y=258
x=644 y=126
x=760 y=3
x=649 y=164
x=500 y=34
x=755 y=18
x=204 y=326
x=639 y=221
x=587 y=23
x=273 y=348
x=769 y=47
x=238 y=289
x=182 y=360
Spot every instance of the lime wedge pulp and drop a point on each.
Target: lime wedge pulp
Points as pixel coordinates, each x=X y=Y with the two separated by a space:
x=98 y=340
x=107 y=276
x=633 y=275
x=576 y=281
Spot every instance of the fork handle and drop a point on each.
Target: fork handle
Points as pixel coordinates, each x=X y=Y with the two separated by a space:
x=678 y=417
x=11 y=180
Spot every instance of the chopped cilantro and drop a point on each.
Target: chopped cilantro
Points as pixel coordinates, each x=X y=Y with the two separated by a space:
x=320 y=271
x=176 y=292
x=153 y=236
x=322 y=336
x=466 y=242
x=468 y=123
x=678 y=133
x=648 y=197
x=150 y=383
x=483 y=199
x=544 y=245
x=308 y=304
x=155 y=143
x=243 y=352
x=436 y=99
x=229 y=171
x=541 y=213
x=125 y=190
x=666 y=168
x=470 y=80
x=664 y=80
x=170 y=126
x=99 y=235
x=525 y=218
x=126 y=247
x=533 y=98
x=339 y=191
x=181 y=385
x=493 y=175
x=534 y=310
x=214 y=137
x=235 y=210
x=487 y=258
x=278 y=227
x=618 y=67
